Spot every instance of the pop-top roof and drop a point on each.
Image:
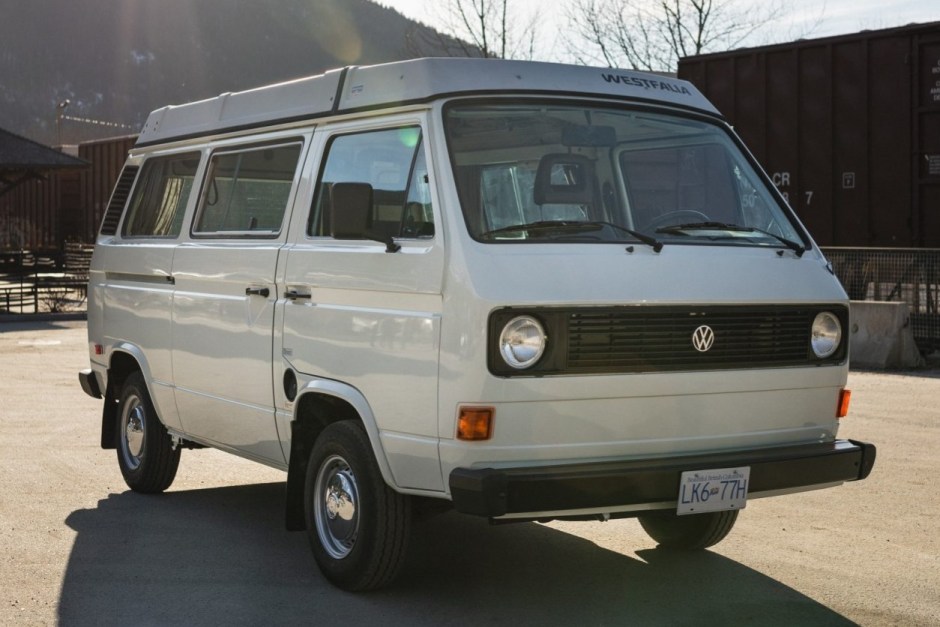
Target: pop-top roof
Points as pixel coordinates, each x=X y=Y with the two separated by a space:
x=420 y=80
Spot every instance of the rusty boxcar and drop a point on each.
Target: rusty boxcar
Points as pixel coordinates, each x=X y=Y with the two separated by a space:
x=848 y=127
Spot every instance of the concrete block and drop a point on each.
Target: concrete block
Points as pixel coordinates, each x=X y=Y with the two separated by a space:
x=880 y=336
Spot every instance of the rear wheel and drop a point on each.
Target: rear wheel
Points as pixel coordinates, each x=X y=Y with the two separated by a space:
x=694 y=531
x=358 y=527
x=145 y=452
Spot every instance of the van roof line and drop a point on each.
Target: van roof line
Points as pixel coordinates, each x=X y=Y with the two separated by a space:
x=356 y=88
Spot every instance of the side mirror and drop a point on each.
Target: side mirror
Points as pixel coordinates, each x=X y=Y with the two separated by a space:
x=351 y=214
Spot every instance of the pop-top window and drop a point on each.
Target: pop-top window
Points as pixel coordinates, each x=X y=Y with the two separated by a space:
x=563 y=173
x=246 y=191
x=159 y=201
x=392 y=162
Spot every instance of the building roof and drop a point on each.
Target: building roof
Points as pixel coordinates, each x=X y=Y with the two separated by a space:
x=18 y=153
x=23 y=160
x=924 y=28
x=360 y=88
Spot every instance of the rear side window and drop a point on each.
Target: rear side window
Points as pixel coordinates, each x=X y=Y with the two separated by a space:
x=392 y=162
x=159 y=200
x=246 y=191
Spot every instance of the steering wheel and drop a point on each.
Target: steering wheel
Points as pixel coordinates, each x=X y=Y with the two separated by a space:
x=671 y=218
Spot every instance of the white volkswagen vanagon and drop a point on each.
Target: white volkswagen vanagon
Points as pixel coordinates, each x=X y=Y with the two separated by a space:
x=527 y=291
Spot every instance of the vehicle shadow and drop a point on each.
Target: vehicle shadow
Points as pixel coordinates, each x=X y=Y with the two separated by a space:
x=40 y=322
x=222 y=556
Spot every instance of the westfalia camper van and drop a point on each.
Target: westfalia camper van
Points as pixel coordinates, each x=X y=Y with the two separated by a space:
x=525 y=291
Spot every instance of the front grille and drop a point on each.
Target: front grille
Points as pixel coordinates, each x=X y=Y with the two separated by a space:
x=637 y=340
x=657 y=339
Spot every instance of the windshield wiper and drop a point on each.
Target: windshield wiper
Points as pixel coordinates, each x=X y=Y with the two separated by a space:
x=595 y=225
x=707 y=226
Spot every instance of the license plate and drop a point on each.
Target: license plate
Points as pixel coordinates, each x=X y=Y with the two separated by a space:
x=713 y=490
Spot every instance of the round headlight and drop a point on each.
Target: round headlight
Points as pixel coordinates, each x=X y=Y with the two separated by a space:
x=827 y=333
x=522 y=342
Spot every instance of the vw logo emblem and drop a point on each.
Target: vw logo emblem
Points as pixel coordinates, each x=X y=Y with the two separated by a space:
x=703 y=338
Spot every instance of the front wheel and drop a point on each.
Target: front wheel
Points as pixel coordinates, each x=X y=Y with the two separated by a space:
x=358 y=527
x=145 y=452
x=690 y=532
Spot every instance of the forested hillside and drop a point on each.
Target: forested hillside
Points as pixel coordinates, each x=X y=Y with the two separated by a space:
x=116 y=60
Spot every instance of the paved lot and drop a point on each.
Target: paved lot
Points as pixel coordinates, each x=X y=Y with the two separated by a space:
x=76 y=547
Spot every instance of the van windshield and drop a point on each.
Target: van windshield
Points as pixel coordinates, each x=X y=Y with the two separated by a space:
x=564 y=173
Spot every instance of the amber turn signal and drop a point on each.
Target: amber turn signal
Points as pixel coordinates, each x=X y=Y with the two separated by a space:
x=844 y=397
x=475 y=423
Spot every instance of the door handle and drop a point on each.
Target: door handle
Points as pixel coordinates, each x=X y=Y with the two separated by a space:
x=258 y=291
x=295 y=295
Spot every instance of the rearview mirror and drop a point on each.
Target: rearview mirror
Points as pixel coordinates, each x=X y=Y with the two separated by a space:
x=588 y=136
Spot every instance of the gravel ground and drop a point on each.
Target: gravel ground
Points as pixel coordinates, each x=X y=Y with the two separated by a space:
x=77 y=547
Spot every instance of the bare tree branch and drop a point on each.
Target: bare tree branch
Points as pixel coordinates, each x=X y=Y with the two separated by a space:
x=487 y=28
x=654 y=36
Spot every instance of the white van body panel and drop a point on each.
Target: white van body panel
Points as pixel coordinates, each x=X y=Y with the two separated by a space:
x=568 y=419
x=222 y=344
x=373 y=320
x=408 y=462
x=135 y=299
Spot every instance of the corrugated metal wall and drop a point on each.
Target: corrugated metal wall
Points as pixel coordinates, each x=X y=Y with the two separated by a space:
x=848 y=128
x=927 y=129
x=107 y=159
x=27 y=214
x=67 y=206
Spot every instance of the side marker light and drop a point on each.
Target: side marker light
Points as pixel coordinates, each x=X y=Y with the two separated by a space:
x=844 y=397
x=475 y=423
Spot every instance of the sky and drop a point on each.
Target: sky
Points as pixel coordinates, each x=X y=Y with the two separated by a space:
x=805 y=18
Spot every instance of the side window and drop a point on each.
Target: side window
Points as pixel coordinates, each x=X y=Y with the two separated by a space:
x=391 y=161
x=246 y=191
x=159 y=201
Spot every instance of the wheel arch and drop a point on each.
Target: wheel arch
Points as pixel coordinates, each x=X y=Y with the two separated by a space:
x=124 y=360
x=319 y=404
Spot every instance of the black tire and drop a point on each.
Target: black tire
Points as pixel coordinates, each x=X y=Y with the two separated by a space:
x=358 y=527
x=144 y=450
x=691 y=532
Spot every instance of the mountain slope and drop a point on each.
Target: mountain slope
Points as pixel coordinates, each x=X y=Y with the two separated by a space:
x=116 y=60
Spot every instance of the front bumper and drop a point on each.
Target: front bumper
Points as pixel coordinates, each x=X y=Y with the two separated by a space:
x=623 y=485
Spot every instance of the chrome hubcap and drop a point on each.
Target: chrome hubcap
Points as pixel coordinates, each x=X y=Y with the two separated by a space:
x=133 y=425
x=337 y=507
